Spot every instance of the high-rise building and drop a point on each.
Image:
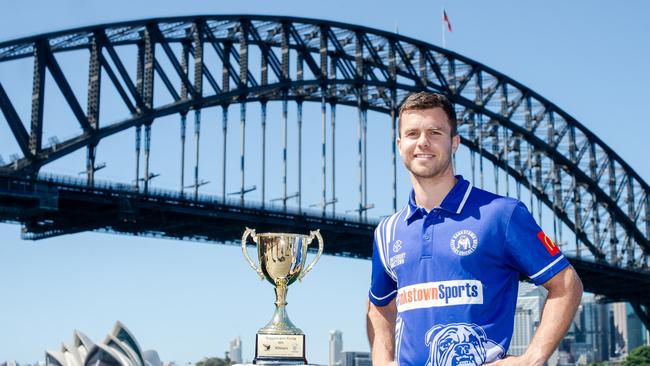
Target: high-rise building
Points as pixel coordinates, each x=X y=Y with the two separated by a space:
x=589 y=332
x=235 y=350
x=629 y=331
x=336 y=348
x=637 y=334
x=530 y=301
x=619 y=330
x=356 y=358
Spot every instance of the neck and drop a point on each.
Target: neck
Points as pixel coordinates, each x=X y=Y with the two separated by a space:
x=429 y=192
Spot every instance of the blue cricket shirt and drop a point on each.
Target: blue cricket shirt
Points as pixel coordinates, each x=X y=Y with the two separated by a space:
x=454 y=272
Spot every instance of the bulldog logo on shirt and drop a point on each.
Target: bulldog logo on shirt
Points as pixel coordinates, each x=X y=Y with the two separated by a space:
x=464 y=242
x=460 y=344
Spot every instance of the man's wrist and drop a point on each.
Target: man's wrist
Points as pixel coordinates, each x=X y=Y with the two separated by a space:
x=534 y=357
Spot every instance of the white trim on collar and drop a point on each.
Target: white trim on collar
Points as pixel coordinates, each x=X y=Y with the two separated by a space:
x=408 y=212
x=467 y=192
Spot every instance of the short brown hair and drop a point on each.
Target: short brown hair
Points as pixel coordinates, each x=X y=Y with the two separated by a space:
x=427 y=100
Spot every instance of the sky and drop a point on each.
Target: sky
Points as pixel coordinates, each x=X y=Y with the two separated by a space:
x=188 y=299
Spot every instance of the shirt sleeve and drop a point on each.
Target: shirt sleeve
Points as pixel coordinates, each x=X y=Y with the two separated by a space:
x=383 y=287
x=528 y=248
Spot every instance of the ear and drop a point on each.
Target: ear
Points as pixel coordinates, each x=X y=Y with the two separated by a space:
x=455 y=142
x=480 y=332
x=398 y=142
x=428 y=336
x=431 y=334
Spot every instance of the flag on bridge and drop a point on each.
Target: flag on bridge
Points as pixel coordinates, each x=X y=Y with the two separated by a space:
x=445 y=19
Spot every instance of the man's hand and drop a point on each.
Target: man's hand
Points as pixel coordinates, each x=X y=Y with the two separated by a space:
x=510 y=361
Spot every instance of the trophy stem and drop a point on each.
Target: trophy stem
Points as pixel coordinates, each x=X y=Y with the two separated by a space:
x=281 y=295
x=280 y=323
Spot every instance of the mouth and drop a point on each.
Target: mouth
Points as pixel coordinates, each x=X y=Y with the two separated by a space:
x=423 y=156
x=465 y=360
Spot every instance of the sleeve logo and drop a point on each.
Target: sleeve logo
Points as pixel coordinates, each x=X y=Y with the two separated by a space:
x=550 y=246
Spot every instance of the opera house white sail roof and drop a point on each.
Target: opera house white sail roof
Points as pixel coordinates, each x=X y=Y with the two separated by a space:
x=119 y=348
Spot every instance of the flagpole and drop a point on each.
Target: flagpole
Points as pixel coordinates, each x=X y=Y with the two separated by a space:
x=442 y=23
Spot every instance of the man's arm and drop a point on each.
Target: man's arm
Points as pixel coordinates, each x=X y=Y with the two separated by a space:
x=564 y=294
x=381 y=332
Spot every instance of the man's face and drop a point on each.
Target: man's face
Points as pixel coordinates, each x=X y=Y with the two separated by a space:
x=425 y=143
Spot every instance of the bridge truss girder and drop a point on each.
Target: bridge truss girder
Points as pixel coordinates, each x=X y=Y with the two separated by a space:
x=585 y=183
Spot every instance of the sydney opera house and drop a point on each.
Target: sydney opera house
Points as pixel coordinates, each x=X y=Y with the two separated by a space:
x=119 y=348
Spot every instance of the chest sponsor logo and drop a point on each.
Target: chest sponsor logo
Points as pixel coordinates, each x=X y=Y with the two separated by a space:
x=550 y=246
x=464 y=242
x=397 y=246
x=397 y=259
x=442 y=293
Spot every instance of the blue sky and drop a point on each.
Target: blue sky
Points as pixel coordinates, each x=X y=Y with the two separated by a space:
x=188 y=299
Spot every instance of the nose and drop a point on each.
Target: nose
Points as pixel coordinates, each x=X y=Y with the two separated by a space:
x=462 y=349
x=423 y=140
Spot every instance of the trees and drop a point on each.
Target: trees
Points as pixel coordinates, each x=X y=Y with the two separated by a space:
x=214 y=361
x=638 y=357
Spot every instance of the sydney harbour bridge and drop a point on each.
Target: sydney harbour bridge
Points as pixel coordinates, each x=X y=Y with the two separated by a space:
x=290 y=109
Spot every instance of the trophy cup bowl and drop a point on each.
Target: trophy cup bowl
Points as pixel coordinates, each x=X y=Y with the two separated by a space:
x=281 y=261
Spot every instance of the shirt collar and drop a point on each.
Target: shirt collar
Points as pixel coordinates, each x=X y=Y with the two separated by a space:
x=453 y=202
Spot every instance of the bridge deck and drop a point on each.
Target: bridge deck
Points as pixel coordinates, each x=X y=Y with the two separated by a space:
x=50 y=207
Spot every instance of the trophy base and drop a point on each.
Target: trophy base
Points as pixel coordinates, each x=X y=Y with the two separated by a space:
x=280 y=349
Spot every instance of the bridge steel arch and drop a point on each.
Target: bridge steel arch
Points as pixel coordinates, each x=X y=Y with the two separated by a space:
x=589 y=187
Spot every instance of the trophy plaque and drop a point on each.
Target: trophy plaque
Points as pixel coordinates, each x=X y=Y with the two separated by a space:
x=282 y=261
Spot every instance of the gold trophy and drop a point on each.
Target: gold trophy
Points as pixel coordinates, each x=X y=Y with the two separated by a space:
x=282 y=258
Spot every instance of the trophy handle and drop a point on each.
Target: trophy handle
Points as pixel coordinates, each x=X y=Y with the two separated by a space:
x=244 y=238
x=312 y=235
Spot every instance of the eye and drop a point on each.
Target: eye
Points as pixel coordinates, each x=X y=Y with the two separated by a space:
x=473 y=340
x=445 y=344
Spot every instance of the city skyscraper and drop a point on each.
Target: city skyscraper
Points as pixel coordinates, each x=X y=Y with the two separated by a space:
x=234 y=350
x=630 y=331
x=530 y=301
x=637 y=334
x=599 y=332
x=335 y=348
x=588 y=337
x=351 y=358
x=620 y=328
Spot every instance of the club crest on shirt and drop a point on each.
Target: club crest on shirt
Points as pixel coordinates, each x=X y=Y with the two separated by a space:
x=464 y=242
x=460 y=344
x=397 y=246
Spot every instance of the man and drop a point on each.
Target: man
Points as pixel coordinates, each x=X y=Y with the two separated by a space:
x=446 y=267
